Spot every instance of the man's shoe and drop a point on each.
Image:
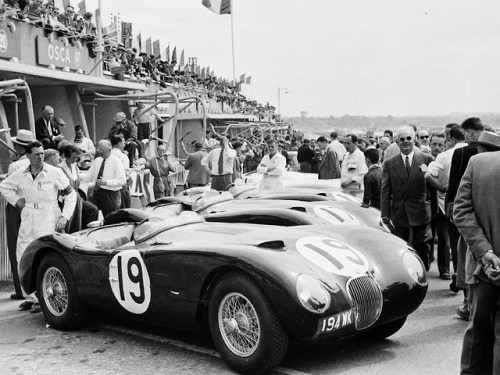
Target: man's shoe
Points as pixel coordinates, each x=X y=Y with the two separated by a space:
x=444 y=276
x=16 y=296
x=463 y=312
x=26 y=305
x=35 y=308
x=453 y=284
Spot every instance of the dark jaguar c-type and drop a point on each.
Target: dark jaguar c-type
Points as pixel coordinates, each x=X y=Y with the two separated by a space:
x=253 y=287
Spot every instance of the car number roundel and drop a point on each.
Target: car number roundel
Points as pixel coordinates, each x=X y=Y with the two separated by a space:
x=332 y=255
x=130 y=282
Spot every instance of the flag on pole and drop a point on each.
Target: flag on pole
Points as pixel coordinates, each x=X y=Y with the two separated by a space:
x=242 y=78
x=213 y=73
x=167 y=52
x=139 y=42
x=110 y=35
x=198 y=70
x=82 y=9
x=127 y=34
x=218 y=6
x=181 y=63
x=249 y=79
x=202 y=75
x=156 y=48
x=149 y=50
x=174 y=55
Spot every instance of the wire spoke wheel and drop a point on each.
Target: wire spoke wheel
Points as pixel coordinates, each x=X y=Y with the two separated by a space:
x=239 y=324
x=55 y=291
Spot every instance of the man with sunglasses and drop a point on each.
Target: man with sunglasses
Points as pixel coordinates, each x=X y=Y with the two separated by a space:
x=423 y=136
x=406 y=199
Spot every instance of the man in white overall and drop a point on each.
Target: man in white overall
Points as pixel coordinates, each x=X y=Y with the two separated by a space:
x=34 y=189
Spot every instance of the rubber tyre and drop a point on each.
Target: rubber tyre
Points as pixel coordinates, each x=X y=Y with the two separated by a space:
x=273 y=338
x=72 y=315
x=385 y=330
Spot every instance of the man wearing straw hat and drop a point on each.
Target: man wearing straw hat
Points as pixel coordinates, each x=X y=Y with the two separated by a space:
x=23 y=138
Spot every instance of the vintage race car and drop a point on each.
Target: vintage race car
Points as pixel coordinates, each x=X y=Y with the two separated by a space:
x=253 y=287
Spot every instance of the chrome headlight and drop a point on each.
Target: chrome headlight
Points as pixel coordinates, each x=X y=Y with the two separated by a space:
x=415 y=267
x=312 y=294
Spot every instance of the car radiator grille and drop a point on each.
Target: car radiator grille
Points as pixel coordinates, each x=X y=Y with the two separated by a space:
x=367 y=300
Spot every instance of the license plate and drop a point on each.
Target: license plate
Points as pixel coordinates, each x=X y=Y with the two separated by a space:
x=335 y=322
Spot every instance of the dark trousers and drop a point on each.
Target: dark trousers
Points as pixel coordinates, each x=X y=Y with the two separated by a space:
x=143 y=131
x=108 y=201
x=191 y=185
x=305 y=167
x=90 y=213
x=481 y=346
x=125 y=196
x=13 y=223
x=132 y=147
x=439 y=227
x=419 y=239
x=221 y=182
x=453 y=235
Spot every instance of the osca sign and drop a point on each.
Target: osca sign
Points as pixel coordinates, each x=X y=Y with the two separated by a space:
x=63 y=55
x=4 y=41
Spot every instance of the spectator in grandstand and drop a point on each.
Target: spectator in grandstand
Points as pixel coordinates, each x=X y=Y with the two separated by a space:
x=354 y=165
x=329 y=166
x=89 y=26
x=372 y=179
x=67 y=18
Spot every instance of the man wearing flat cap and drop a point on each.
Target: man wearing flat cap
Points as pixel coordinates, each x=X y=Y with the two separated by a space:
x=477 y=218
x=128 y=130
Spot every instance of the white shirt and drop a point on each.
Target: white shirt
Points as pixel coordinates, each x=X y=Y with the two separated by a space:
x=113 y=173
x=21 y=163
x=440 y=169
x=84 y=144
x=338 y=148
x=123 y=158
x=410 y=156
x=212 y=161
x=354 y=167
x=274 y=168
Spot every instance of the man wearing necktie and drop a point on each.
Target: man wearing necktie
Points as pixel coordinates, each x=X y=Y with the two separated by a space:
x=407 y=202
x=220 y=161
x=46 y=131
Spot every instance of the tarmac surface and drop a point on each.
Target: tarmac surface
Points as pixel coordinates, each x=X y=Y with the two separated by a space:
x=430 y=342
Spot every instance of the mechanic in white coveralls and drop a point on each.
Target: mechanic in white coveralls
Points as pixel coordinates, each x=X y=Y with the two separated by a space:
x=272 y=166
x=34 y=190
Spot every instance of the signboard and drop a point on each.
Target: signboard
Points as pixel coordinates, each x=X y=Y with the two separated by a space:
x=62 y=54
x=10 y=42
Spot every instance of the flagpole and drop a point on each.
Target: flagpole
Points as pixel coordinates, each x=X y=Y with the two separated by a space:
x=232 y=43
x=100 y=44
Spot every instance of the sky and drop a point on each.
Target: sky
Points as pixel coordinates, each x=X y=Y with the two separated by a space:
x=336 y=57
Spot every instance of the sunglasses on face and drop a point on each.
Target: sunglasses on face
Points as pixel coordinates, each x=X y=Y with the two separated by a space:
x=402 y=139
x=424 y=137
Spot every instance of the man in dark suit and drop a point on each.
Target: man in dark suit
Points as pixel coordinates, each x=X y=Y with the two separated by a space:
x=473 y=128
x=46 y=130
x=372 y=180
x=305 y=156
x=477 y=217
x=406 y=198
x=329 y=166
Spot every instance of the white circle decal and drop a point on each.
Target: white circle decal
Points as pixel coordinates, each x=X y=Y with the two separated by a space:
x=4 y=41
x=129 y=281
x=333 y=255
